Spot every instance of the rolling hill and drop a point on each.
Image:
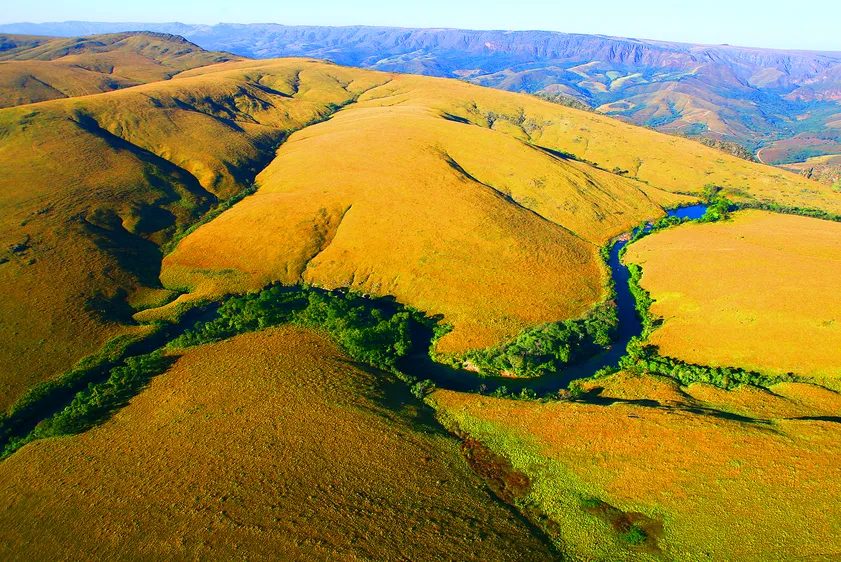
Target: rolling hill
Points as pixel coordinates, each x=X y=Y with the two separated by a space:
x=93 y=186
x=302 y=455
x=34 y=69
x=756 y=97
x=494 y=192
x=128 y=214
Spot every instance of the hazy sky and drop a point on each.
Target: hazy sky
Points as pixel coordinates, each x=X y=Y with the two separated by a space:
x=805 y=24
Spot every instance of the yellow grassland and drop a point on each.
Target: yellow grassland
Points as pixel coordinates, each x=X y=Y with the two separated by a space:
x=451 y=218
x=46 y=68
x=435 y=191
x=759 y=291
x=669 y=163
x=271 y=445
x=746 y=475
x=89 y=186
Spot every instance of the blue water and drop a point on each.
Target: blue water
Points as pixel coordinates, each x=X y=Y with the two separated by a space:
x=692 y=212
x=421 y=365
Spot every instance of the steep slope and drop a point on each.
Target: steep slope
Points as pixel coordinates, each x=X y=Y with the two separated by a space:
x=90 y=187
x=301 y=456
x=35 y=69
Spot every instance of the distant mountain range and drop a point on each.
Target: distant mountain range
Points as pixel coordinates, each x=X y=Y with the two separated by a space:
x=786 y=103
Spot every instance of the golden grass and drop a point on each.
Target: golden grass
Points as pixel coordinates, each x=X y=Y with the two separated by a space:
x=669 y=163
x=392 y=196
x=63 y=240
x=451 y=218
x=759 y=291
x=49 y=68
x=268 y=446
x=91 y=185
x=762 y=487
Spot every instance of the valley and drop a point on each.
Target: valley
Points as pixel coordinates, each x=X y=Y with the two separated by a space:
x=283 y=305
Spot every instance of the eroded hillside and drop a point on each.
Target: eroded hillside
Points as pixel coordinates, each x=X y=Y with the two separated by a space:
x=91 y=187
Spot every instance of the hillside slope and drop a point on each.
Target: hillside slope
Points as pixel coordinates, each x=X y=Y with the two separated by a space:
x=91 y=187
x=463 y=201
x=301 y=456
x=750 y=95
x=35 y=69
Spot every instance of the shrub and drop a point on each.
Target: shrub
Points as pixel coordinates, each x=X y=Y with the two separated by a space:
x=422 y=388
x=634 y=536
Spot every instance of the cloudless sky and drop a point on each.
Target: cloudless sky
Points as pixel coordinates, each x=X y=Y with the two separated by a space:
x=797 y=24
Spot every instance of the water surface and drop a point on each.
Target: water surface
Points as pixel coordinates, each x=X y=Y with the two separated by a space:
x=420 y=365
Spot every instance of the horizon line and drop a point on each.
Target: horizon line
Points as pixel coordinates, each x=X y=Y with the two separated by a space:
x=436 y=28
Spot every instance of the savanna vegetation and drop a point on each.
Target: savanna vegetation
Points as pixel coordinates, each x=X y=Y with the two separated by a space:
x=364 y=331
x=379 y=336
x=409 y=168
x=265 y=443
x=92 y=405
x=641 y=467
x=751 y=297
x=296 y=193
x=34 y=69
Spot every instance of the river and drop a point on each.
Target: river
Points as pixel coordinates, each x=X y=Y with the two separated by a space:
x=420 y=365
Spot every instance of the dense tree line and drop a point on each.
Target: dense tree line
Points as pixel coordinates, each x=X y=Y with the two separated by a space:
x=789 y=210
x=92 y=405
x=367 y=332
x=644 y=358
x=47 y=394
x=550 y=347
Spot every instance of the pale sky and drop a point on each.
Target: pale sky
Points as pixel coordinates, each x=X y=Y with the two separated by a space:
x=801 y=24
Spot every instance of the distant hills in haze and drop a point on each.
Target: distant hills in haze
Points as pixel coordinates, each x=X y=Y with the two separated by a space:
x=784 y=102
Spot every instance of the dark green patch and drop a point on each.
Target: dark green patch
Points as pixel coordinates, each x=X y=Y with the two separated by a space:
x=632 y=528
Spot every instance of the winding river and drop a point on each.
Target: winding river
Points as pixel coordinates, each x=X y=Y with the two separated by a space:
x=420 y=365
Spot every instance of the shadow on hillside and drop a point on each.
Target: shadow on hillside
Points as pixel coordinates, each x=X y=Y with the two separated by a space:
x=594 y=397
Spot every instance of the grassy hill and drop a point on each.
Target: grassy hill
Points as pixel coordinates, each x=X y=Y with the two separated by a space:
x=640 y=468
x=753 y=96
x=91 y=187
x=302 y=455
x=483 y=206
x=485 y=209
x=757 y=292
x=460 y=201
x=34 y=69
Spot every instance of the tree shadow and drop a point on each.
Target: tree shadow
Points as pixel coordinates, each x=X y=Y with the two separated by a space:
x=594 y=396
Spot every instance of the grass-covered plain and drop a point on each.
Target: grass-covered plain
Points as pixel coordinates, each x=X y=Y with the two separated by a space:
x=758 y=291
x=273 y=444
x=639 y=468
